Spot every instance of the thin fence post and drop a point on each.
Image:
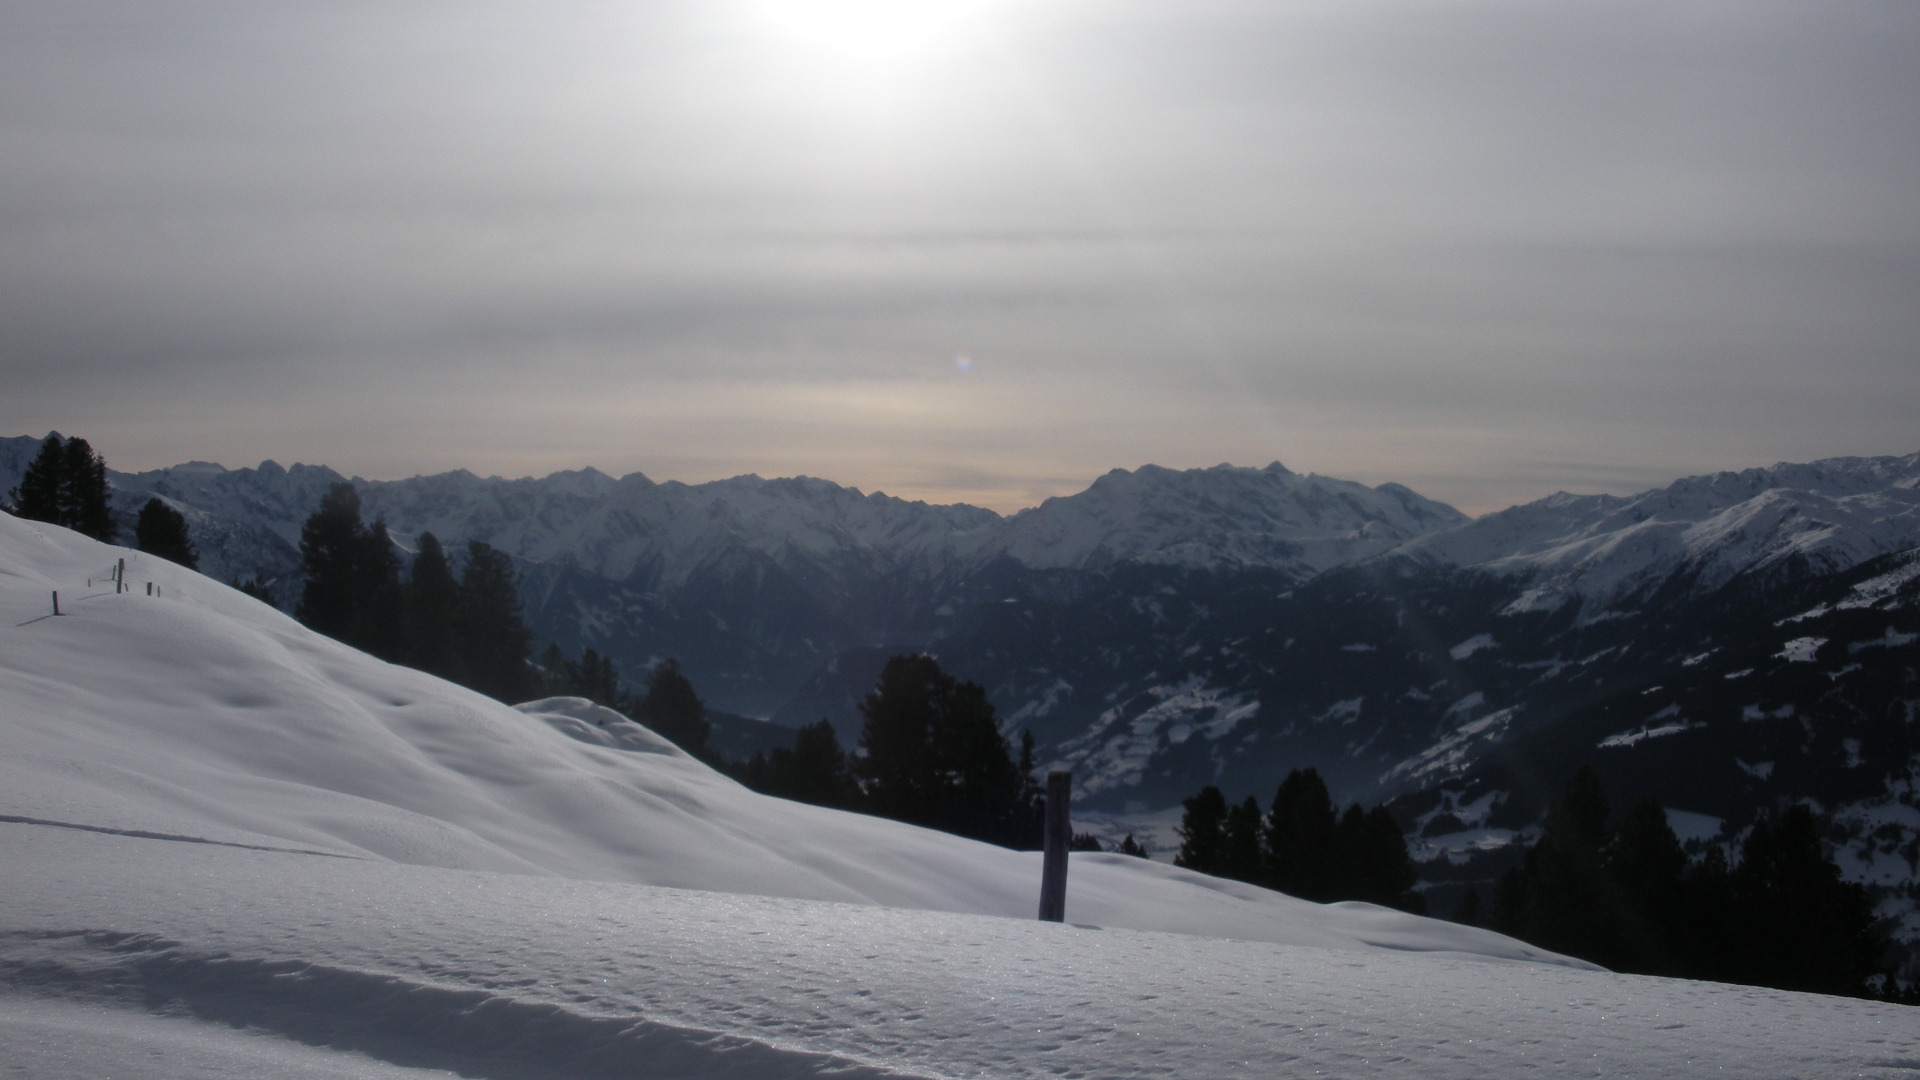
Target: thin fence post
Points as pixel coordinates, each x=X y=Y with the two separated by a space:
x=56 y=601
x=149 y=588
x=120 y=577
x=1058 y=835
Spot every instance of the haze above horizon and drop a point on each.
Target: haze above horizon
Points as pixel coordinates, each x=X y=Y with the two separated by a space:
x=965 y=250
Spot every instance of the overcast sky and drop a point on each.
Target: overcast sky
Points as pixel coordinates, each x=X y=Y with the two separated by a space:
x=966 y=251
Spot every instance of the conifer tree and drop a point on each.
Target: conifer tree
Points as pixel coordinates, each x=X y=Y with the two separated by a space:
x=1300 y=837
x=820 y=772
x=1371 y=861
x=1203 y=831
x=1647 y=866
x=673 y=710
x=594 y=677
x=331 y=564
x=84 y=491
x=1242 y=858
x=1571 y=904
x=161 y=530
x=432 y=600
x=1819 y=930
x=38 y=495
x=259 y=590
x=932 y=754
x=493 y=636
x=66 y=484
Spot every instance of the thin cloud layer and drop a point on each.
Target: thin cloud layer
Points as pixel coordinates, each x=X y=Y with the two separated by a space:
x=1485 y=249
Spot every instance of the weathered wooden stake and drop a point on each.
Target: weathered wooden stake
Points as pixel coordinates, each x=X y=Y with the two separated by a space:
x=149 y=588
x=1059 y=833
x=56 y=601
x=120 y=577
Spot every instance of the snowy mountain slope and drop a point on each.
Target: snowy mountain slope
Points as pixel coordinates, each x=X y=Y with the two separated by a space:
x=232 y=848
x=139 y=958
x=200 y=713
x=1227 y=516
x=1810 y=698
x=755 y=584
x=1829 y=515
x=1159 y=631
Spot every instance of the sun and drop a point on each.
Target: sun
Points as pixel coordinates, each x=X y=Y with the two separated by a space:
x=871 y=31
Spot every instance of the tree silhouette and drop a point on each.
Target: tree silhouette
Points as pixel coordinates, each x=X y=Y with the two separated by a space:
x=66 y=485
x=351 y=589
x=673 y=710
x=432 y=612
x=933 y=755
x=493 y=637
x=1203 y=831
x=1300 y=837
x=161 y=530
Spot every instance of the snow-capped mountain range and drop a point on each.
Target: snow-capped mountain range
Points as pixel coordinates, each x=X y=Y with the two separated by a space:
x=1164 y=629
x=778 y=594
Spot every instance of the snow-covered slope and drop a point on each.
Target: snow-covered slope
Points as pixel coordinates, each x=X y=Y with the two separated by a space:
x=231 y=848
x=1834 y=514
x=198 y=712
x=1223 y=516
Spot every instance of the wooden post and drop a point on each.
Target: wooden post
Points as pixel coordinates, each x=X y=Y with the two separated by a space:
x=149 y=588
x=1059 y=833
x=120 y=576
x=56 y=601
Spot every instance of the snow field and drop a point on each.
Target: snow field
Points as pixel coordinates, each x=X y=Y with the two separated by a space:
x=229 y=847
x=505 y=975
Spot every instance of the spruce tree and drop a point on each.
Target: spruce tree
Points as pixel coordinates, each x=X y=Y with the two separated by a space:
x=38 y=495
x=553 y=680
x=161 y=530
x=673 y=710
x=84 y=491
x=1300 y=837
x=432 y=598
x=1203 y=832
x=594 y=677
x=1818 y=930
x=1573 y=905
x=331 y=540
x=493 y=636
x=1242 y=858
x=932 y=754
x=1648 y=867
x=1372 y=863
x=66 y=485
x=820 y=770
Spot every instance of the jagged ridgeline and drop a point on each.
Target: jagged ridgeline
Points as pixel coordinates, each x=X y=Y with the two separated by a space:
x=1726 y=643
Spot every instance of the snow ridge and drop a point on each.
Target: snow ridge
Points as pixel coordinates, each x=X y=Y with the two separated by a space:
x=1832 y=515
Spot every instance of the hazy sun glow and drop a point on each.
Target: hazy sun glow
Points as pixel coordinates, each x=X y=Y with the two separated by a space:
x=871 y=31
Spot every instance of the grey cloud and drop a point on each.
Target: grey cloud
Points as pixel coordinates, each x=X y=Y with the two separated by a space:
x=1504 y=237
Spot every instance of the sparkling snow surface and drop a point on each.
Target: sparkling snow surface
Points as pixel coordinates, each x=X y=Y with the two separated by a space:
x=230 y=848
